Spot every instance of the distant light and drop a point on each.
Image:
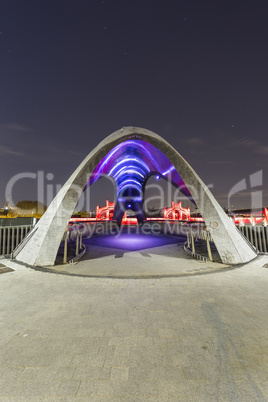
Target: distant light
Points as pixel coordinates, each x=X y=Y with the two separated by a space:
x=157 y=177
x=129 y=205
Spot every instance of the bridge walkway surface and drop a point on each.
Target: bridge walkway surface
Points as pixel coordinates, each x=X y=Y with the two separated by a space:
x=200 y=336
x=116 y=256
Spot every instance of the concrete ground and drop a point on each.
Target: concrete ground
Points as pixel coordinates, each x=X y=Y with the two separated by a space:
x=190 y=337
x=132 y=255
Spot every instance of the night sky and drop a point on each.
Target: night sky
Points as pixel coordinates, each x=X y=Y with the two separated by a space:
x=194 y=72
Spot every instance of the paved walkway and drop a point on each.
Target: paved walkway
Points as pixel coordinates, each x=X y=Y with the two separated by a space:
x=136 y=256
x=191 y=338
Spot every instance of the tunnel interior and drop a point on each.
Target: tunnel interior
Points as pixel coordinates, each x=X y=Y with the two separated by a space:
x=130 y=164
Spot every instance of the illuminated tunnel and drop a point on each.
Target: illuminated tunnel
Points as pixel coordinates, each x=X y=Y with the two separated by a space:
x=130 y=164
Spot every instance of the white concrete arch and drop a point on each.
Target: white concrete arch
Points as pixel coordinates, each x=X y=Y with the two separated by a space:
x=41 y=248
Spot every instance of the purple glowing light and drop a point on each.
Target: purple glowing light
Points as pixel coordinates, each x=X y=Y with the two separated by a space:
x=169 y=170
x=134 y=199
x=131 y=182
x=130 y=241
x=136 y=160
x=130 y=170
x=129 y=159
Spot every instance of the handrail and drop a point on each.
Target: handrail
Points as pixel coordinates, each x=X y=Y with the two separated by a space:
x=11 y=237
x=78 y=256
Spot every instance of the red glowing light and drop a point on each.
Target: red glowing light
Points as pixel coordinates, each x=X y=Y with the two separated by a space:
x=105 y=213
x=177 y=212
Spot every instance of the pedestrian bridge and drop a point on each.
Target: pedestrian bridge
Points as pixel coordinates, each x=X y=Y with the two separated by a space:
x=130 y=156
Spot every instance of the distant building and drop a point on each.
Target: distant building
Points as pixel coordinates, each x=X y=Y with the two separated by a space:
x=7 y=210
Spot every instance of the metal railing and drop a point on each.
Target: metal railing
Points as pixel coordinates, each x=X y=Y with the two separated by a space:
x=256 y=235
x=12 y=236
x=73 y=236
x=199 y=232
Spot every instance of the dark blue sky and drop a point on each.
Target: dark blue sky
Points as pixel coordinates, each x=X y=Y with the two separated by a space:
x=195 y=72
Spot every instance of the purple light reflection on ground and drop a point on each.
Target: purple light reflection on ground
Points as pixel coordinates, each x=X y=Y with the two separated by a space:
x=130 y=242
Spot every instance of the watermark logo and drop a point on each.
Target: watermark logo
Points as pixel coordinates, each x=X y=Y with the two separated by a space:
x=251 y=187
x=152 y=193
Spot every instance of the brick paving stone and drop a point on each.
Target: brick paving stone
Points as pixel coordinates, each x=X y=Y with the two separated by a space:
x=122 y=351
x=65 y=373
x=196 y=338
x=87 y=388
x=140 y=374
x=112 y=361
x=10 y=373
x=148 y=388
x=68 y=388
x=28 y=389
x=87 y=360
x=119 y=374
x=39 y=374
x=92 y=373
